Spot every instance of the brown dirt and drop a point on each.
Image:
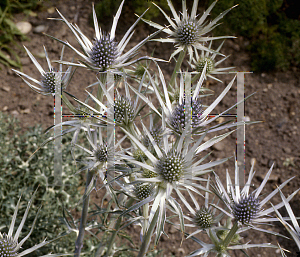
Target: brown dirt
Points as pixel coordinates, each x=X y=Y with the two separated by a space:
x=276 y=103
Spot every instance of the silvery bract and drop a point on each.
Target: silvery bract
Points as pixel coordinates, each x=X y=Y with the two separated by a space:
x=50 y=78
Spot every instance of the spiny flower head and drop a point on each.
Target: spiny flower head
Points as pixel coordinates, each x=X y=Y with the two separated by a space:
x=7 y=246
x=51 y=78
x=171 y=167
x=246 y=209
x=149 y=174
x=139 y=155
x=156 y=133
x=204 y=218
x=124 y=112
x=201 y=64
x=49 y=81
x=178 y=118
x=143 y=190
x=104 y=52
x=188 y=32
x=100 y=153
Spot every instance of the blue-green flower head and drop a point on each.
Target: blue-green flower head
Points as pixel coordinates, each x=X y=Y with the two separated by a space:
x=7 y=246
x=178 y=117
x=204 y=218
x=104 y=52
x=246 y=209
x=124 y=111
x=171 y=167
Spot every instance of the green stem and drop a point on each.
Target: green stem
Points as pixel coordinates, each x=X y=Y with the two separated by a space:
x=196 y=77
x=146 y=216
x=147 y=237
x=68 y=103
x=177 y=67
x=231 y=234
x=113 y=237
x=83 y=219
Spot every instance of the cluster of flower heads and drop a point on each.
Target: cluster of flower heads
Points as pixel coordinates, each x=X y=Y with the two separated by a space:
x=158 y=166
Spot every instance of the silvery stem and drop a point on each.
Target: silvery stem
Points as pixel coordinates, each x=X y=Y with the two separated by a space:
x=83 y=219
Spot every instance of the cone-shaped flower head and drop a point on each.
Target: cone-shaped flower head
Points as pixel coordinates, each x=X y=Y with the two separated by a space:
x=124 y=111
x=178 y=117
x=246 y=209
x=100 y=153
x=143 y=190
x=7 y=246
x=207 y=58
x=171 y=167
x=201 y=64
x=51 y=78
x=105 y=53
x=204 y=218
x=189 y=31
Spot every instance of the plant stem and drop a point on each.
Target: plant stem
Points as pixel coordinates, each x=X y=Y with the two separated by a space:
x=231 y=234
x=113 y=236
x=68 y=103
x=83 y=219
x=147 y=237
x=177 y=67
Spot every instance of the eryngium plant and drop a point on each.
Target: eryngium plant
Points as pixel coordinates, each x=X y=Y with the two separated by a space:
x=10 y=245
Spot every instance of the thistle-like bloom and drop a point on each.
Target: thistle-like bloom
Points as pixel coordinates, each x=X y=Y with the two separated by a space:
x=9 y=245
x=124 y=111
x=189 y=31
x=203 y=217
x=171 y=169
x=244 y=207
x=207 y=58
x=50 y=77
x=178 y=117
x=105 y=53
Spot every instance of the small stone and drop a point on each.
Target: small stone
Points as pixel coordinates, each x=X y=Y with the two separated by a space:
x=5 y=108
x=263 y=75
x=39 y=29
x=269 y=86
x=6 y=88
x=51 y=10
x=246 y=118
x=15 y=113
x=287 y=149
x=219 y=146
x=41 y=55
x=24 y=27
x=26 y=111
x=265 y=90
x=181 y=251
x=220 y=120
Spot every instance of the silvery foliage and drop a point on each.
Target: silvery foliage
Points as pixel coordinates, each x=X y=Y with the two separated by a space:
x=159 y=165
